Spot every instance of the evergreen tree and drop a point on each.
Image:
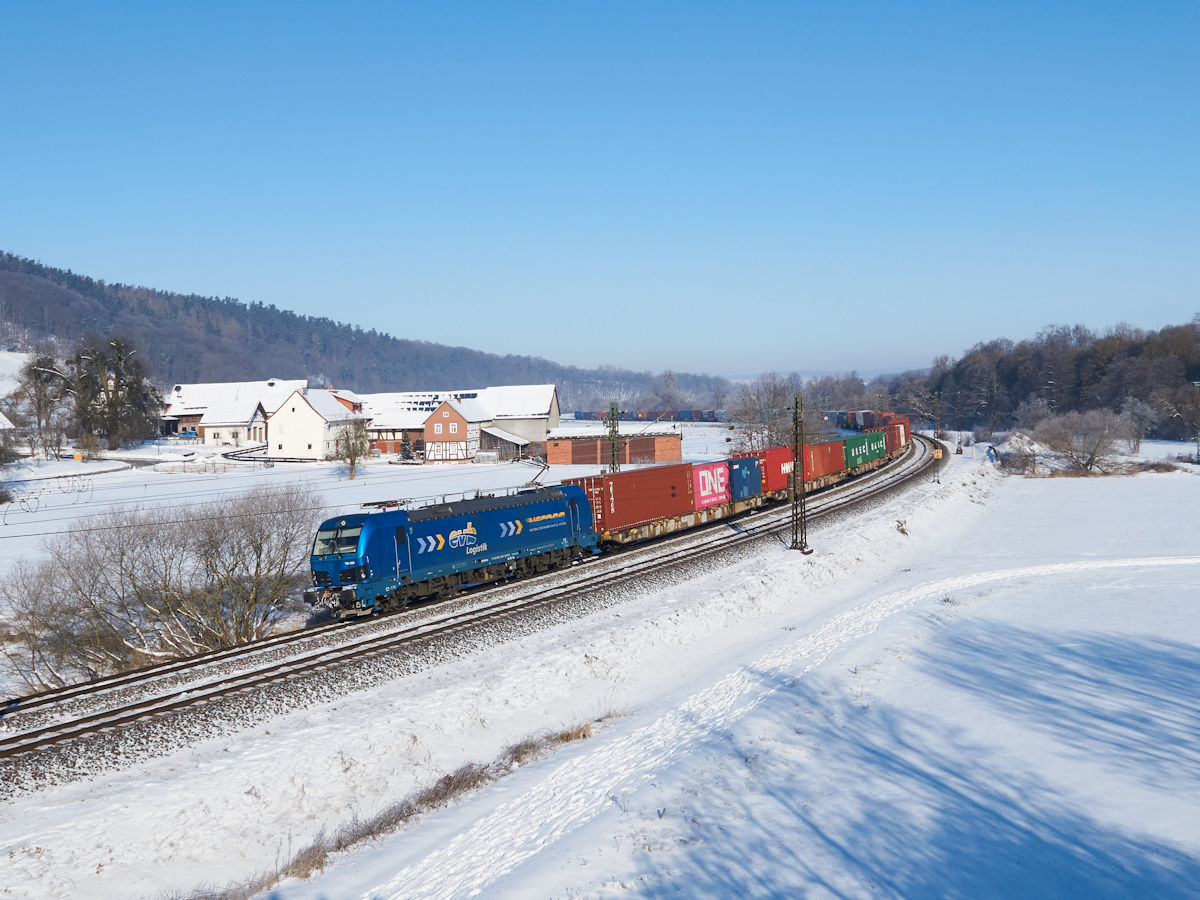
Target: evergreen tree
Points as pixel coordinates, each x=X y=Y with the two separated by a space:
x=114 y=397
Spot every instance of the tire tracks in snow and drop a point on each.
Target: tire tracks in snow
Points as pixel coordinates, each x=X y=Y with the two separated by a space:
x=583 y=787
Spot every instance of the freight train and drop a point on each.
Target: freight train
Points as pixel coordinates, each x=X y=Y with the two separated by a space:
x=368 y=562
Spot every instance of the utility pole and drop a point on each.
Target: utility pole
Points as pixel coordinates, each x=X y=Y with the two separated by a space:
x=613 y=424
x=796 y=481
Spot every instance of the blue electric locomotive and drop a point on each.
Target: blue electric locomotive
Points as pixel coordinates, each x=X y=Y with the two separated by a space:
x=365 y=562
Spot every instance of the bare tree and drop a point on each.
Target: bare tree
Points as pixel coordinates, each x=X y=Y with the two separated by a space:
x=763 y=410
x=126 y=588
x=1139 y=416
x=1086 y=440
x=1031 y=412
x=352 y=444
x=41 y=402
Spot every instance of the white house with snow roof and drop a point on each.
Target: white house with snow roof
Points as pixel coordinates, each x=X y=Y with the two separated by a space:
x=232 y=412
x=306 y=425
x=234 y=423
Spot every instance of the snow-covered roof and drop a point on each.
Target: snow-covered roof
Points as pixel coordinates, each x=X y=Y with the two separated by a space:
x=409 y=400
x=398 y=410
x=346 y=395
x=472 y=409
x=627 y=429
x=236 y=411
x=329 y=407
x=196 y=399
x=519 y=401
x=5 y=424
x=397 y=419
x=505 y=435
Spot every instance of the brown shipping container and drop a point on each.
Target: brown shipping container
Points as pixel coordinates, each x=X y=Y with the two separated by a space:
x=893 y=437
x=821 y=460
x=638 y=496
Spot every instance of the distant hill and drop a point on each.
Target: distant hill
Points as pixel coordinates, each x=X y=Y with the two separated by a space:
x=188 y=339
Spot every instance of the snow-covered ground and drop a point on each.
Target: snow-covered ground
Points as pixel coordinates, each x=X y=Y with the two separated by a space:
x=982 y=687
x=10 y=365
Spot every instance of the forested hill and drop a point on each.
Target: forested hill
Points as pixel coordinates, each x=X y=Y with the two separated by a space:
x=189 y=339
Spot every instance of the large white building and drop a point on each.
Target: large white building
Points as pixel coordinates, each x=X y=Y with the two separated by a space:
x=306 y=425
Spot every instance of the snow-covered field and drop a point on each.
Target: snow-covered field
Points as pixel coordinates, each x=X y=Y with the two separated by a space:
x=982 y=687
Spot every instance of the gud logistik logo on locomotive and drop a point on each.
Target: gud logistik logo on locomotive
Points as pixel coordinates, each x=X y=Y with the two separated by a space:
x=463 y=537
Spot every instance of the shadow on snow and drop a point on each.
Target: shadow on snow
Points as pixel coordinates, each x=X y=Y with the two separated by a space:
x=832 y=797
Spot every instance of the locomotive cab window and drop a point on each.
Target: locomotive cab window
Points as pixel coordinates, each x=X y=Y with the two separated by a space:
x=331 y=541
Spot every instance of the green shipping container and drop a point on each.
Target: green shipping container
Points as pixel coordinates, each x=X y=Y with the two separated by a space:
x=863 y=448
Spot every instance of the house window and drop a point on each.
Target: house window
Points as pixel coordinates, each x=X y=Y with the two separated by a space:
x=445 y=414
x=454 y=428
x=437 y=427
x=310 y=446
x=216 y=435
x=280 y=446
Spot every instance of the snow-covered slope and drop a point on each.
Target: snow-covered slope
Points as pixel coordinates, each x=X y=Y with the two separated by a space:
x=998 y=702
x=10 y=365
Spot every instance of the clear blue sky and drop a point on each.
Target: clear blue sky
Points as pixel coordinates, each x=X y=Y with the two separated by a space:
x=714 y=187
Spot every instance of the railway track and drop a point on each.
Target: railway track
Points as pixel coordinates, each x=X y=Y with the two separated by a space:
x=60 y=718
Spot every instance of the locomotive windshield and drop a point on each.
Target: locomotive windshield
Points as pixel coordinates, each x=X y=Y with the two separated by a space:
x=342 y=539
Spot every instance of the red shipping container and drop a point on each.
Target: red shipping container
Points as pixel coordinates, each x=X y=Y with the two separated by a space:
x=638 y=496
x=821 y=460
x=895 y=436
x=710 y=484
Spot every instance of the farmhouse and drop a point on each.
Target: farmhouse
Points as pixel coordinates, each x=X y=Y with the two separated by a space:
x=307 y=424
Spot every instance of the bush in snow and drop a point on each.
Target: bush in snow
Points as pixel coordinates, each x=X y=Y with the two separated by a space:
x=1087 y=441
x=129 y=588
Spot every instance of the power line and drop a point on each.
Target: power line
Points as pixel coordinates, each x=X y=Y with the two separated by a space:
x=193 y=519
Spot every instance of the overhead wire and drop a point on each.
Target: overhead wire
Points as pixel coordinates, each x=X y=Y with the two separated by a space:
x=117 y=506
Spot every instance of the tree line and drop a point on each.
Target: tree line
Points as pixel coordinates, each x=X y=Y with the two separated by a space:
x=1152 y=377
